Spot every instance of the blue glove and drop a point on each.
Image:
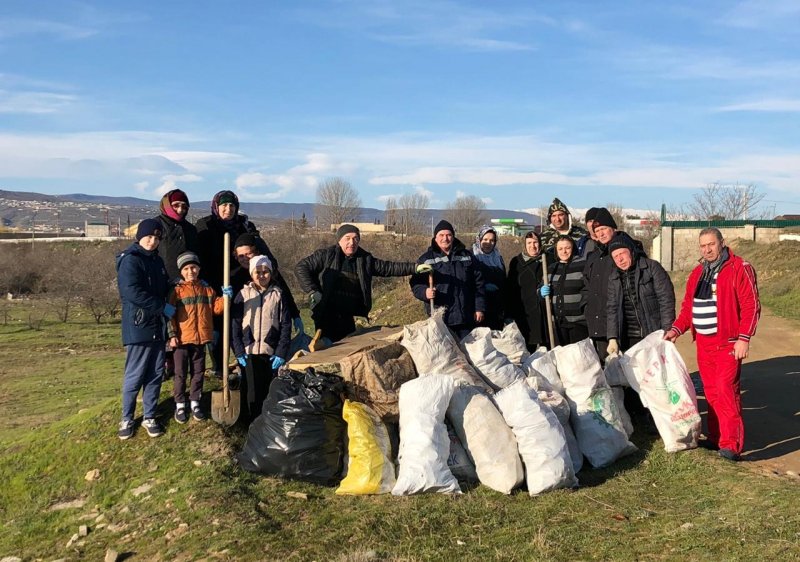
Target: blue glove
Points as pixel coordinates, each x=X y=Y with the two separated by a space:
x=228 y=291
x=242 y=359
x=544 y=291
x=169 y=310
x=277 y=363
x=491 y=287
x=298 y=325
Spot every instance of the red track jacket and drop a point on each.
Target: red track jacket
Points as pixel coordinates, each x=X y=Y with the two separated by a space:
x=738 y=307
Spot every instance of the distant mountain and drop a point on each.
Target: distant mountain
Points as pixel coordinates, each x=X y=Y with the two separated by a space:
x=22 y=209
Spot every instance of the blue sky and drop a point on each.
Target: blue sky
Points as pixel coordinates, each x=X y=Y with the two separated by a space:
x=633 y=103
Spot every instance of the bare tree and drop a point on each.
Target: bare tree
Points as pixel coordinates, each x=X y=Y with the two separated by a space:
x=412 y=219
x=466 y=213
x=617 y=214
x=390 y=214
x=337 y=202
x=725 y=201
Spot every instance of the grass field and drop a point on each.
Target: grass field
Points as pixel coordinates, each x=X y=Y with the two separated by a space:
x=181 y=497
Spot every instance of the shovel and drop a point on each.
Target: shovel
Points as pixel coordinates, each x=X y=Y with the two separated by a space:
x=225 y=403
x=430 y=284
x=548 y=305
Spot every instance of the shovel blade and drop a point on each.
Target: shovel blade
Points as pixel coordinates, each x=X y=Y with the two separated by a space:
x=221 y=414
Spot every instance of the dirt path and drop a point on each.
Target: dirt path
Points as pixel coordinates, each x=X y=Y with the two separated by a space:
x=770 y=395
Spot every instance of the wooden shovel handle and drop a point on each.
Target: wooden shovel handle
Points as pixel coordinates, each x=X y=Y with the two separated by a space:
x=226 y=319
x=430 y=285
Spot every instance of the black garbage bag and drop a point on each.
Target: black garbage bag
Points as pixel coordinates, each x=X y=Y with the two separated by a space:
x=300 y=432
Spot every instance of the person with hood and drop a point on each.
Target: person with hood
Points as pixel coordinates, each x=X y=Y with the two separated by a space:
x=721 y=307
x=522 y=300
x=565 y=284
x=338 y=280
x=178 y=234
x=458 y=284
x=211 y=229
x=559 y=222
x=494 y=275
x=596 y=273
x=143 y=284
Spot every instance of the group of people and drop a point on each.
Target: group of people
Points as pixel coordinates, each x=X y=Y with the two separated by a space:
x=598 y=280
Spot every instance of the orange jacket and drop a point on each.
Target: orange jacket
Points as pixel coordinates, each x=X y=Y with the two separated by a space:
x=195 y=305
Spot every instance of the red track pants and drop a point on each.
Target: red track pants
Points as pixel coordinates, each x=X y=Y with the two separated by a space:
x=720 y=373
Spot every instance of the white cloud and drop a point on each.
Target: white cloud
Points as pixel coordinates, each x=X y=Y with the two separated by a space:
x=184 y=178
x=303 y=177
x=755 y=14
x=34 y=102
x=141 y=186
x=422 y=191
x=15 y=27
x=487 y=200
x=785 y=105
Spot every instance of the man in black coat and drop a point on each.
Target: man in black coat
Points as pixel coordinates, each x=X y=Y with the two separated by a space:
x=338 y=280
x=457 y=281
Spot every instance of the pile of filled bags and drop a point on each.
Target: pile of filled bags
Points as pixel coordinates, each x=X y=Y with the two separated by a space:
x=480 y=410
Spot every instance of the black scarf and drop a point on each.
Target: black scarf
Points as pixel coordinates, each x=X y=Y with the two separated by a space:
x=710 y=270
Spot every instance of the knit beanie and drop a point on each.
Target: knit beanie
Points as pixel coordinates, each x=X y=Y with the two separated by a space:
x=245 y=239
x=604 y=218
x=177 y=195
x=347 y=229
x=443 y=225
x=591 y=214
x=556 y=205
x=148 y=227
x=255 y=261
x=186 y=258
x=619 y=242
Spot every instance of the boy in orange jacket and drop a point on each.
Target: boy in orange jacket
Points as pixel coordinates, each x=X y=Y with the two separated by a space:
x=189 y=331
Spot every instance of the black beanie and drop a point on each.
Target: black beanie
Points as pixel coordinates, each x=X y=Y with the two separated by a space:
x=604 y=218
x=245 y=239
x=591 y=214
x=149 y=227
x=619 y=242
x=443 y=225
x=347 y=229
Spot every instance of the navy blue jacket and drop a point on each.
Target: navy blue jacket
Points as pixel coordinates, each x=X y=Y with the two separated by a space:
x=458 y=281
x=143 y=283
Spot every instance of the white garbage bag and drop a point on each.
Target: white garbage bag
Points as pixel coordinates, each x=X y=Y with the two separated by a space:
x=492 y=365
x=595 y=414
x=561 y=409
x=488 y=440
x=540 y=438
x=615 y=375
x=624 y=416
x=459 y=462
x=544 y=362
x=434 y=350
x=510 y=342
x=656 y=370
x=424 y=444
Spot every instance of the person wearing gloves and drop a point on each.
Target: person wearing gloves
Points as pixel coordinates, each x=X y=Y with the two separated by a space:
x=596 y=273
x=261 y=329
x=494 y=275
x=721 y=307
x=457 y=281
x=522 y=301
x=142 y=283
x=565 y=283
x=338 y=281
x=559 y=223
x=190 y=329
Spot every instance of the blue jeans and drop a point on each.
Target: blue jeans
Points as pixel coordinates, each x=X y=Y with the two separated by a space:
x=144 y=368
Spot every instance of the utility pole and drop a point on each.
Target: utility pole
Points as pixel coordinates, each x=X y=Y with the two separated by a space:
x=33 y=226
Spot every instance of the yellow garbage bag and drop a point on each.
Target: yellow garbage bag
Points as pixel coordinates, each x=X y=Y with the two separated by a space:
x=370 y=469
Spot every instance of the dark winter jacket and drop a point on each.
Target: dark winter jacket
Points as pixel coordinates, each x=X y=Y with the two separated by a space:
x=458 y=280
x=522 y=301
x=321 y=272
x=177 y=237
x=654 y=298
x=142 y=282
x=596 y=273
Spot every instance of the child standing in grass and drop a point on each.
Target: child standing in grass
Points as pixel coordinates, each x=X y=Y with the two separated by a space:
x=262 y=328
x=142 y=283
x=189 y=331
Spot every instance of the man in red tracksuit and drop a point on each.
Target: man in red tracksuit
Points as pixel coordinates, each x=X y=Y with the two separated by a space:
x=722 y=309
